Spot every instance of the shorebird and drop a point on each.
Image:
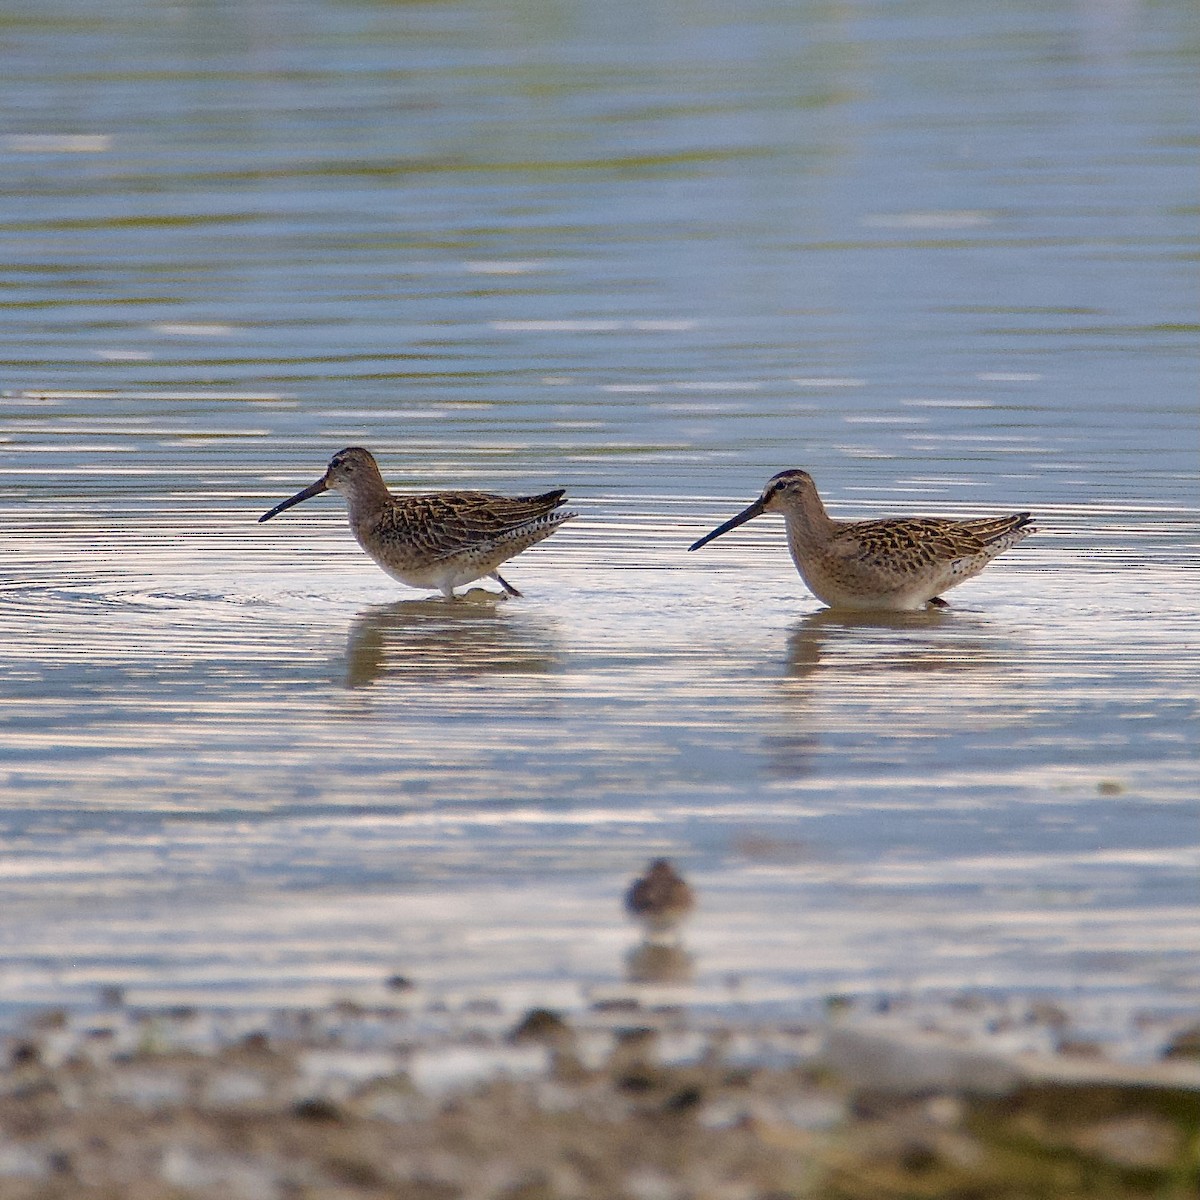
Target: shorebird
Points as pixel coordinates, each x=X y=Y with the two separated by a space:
x=898 y=563
x=661 y=898
x=440 y=539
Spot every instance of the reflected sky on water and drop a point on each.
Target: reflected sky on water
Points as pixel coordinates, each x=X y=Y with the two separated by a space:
x=944 y=259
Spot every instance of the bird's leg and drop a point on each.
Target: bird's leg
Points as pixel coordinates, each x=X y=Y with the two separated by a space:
x=938 y=602
x=509 y=590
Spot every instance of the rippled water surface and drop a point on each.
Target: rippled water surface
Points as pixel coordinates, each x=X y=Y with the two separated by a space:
x=943 y=258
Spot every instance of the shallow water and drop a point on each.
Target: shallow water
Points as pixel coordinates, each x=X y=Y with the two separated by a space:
x=944 y=260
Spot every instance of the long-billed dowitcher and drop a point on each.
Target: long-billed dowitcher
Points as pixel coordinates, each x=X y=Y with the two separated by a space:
x=898 y=563
x=440 y=539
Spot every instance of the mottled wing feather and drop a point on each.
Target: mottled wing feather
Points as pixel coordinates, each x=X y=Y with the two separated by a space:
x=444 y=524
x=511 y=541
x=992 y=529
x=906 y=547
x=908 y=544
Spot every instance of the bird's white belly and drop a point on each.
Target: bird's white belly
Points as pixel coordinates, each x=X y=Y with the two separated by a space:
x=443 y=577
x=844 y=593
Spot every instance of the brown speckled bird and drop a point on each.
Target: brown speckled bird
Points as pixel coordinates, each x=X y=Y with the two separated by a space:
x=438 y=540
x=661 y=898
x=898 y=563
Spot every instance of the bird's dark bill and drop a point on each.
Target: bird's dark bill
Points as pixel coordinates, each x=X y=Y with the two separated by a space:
x=313 y=489
x=747 y=514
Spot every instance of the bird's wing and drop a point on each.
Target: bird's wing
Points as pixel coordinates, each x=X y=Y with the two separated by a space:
x=914 y=540
x=448 y=523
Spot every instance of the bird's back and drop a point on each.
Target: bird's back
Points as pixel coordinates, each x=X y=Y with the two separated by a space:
x=424 y=529
x=908 y=543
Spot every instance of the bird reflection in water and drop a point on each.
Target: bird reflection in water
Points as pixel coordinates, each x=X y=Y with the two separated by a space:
x=879 y=642
x=841 y=657
x=659 y=962
x=429 y=639
x=659 y=901
x=841 y=638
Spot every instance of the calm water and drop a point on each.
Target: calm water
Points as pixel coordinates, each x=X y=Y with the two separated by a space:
x=943 y=257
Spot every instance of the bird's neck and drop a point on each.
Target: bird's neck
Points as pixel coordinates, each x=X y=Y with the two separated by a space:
x=366 y=496
x=808 y=524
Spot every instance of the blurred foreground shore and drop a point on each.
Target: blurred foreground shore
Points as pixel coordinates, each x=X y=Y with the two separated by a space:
x=403 y=1099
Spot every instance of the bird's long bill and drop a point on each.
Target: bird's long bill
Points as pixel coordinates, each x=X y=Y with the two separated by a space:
x=747 y=514
x=313 y=489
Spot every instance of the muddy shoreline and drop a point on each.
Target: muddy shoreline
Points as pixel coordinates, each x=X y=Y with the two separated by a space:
x=407 y=1099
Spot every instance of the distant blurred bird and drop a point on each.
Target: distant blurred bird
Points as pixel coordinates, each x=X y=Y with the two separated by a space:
x=437 y=540
x=661 y=898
